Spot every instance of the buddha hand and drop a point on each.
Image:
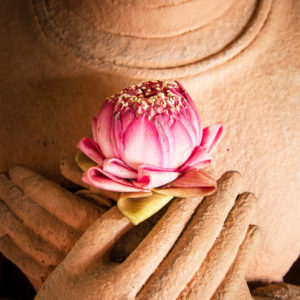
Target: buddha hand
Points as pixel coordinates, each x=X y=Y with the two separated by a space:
x=193 y=252
x=40 y=222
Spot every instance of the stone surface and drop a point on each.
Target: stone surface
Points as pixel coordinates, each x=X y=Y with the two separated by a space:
x=162 y=265
x=36 y=233
x=280 y=291
x=249 y=81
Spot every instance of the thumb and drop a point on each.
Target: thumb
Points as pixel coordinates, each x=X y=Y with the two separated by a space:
x=95 y=242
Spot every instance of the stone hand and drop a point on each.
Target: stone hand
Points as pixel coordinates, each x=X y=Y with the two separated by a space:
x=182 y=257
x=40 y=222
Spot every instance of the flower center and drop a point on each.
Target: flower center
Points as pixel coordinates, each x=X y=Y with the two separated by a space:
x=150 y=98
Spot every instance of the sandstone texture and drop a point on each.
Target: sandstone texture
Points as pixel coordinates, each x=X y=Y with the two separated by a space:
x=239 y=60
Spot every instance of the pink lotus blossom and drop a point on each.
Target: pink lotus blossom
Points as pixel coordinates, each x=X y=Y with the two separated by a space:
x=147 y=136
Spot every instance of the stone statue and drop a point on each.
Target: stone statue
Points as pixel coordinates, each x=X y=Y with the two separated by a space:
x=238 y=59
x=209 y=259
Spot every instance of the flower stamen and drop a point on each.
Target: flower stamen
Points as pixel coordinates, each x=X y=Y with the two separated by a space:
x=150 y=99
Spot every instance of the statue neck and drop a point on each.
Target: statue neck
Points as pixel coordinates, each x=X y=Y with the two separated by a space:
x=147 y=19
x=153 y=39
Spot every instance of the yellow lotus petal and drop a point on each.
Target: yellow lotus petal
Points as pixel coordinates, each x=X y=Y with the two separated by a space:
x=83 y=161
x=139 y=209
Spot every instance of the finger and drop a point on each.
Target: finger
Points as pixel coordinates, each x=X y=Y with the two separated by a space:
x=66 y=206
x=58 y=234
x=221 y=256
x=95 y=242
x=96 y=199
x=28 y=266
x=26 y=240
x=148 y=255
x=72 y=172
x=235 y=277
x=131 y=274
x=197 y=239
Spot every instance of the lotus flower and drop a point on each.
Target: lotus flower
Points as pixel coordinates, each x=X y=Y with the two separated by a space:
x=148 y=136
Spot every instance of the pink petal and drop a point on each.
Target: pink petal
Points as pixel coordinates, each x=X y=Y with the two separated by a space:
x=194 y=178
x=166 y=123
x=141 y=144
x=199 y=159
x=183 y=144
x=154 y=168
x=116 y=167
x=94 y=127
x=98 y=178
x=194 y=118
x=192 y=109
x=150 y=177
x=91 y=149
x=120 y=125
x=126 y=119
x=104 y=130
x=165 y=141
x=186 y=122
x=211 y=137
x=117 y=136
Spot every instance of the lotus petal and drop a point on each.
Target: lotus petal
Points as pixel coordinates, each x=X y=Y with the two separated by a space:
x=141 y=144
x=164 y=142
x=94 y=127
x=120 y=125
x=199 y=159
x=193 y=113
x=211 y=137
x=126 y=119
x=118 y=168
x=183 y=144
x=117 y=135
x=150 y=177
x=98 y=178
x=185 y=119
x=140 y=209
x=104 y=129
x=91 y=149
x=83 y=161
x=194 y=178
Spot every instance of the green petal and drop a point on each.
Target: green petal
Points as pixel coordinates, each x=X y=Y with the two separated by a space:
x=139 y=209
x=83 y=161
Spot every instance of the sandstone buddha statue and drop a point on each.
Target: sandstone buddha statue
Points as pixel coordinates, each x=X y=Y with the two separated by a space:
x=238 y=59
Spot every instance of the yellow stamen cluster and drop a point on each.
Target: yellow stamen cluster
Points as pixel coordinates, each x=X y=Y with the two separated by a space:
x=150 y=98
